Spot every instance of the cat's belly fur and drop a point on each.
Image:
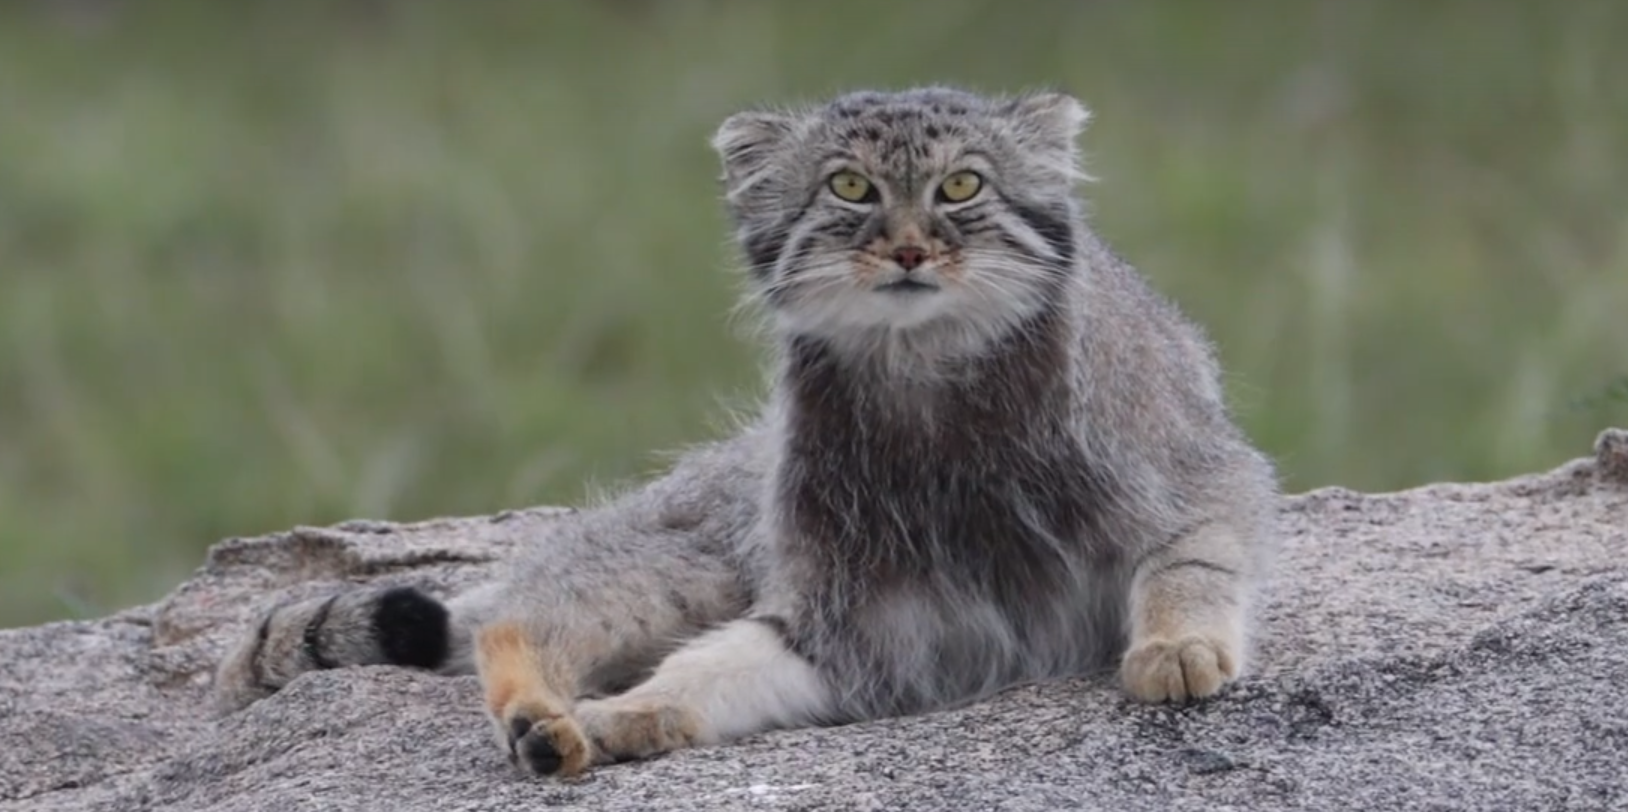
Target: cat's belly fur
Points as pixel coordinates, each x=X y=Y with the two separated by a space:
x=931 y=643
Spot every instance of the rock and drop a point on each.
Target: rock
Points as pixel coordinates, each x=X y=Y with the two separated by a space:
x=1455 y=646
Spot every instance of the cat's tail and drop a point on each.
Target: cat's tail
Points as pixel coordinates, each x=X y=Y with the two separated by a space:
x=398 y=625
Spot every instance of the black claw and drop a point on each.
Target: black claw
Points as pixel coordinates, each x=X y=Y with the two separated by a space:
x=519 y=726
x=540 y=755
x=412 y=628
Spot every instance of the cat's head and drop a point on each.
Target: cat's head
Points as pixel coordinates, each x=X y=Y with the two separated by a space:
x=883 y=212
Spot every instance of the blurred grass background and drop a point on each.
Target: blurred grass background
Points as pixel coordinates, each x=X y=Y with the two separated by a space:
x=268 y=263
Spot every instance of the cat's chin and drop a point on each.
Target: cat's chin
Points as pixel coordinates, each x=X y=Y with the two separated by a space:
x=924 y=344
x=907 y=287
x=888 y=308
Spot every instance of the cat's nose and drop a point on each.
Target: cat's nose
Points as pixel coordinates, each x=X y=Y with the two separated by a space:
x=909 y=257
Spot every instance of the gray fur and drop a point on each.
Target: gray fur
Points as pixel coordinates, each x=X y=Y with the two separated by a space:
x=1024 y=473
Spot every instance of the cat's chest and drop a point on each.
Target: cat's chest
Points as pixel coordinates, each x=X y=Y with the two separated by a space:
x=997 y=507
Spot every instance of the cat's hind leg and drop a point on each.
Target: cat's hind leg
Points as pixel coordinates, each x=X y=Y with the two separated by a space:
x=734 y=681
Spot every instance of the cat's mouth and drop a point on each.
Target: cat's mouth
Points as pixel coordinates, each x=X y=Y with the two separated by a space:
x=907 y=286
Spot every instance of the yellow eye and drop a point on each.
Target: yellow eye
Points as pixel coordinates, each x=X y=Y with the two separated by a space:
x=960 y=187
x=852 y=187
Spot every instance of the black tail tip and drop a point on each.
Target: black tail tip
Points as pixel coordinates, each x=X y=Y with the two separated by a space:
x=412 y=628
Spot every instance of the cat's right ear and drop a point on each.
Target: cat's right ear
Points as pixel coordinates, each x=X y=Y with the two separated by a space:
x=746 y=142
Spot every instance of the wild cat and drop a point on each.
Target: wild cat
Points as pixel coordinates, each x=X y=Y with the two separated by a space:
x=991 y=455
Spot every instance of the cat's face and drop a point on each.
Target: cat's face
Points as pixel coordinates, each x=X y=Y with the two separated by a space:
x=892 y=211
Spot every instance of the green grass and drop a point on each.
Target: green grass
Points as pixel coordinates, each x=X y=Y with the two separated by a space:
x=275 y=263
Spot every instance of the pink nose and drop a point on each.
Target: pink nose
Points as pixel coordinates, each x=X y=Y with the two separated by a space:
x=909 y=257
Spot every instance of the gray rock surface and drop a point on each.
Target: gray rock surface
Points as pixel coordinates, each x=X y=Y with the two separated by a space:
x=1456 y=646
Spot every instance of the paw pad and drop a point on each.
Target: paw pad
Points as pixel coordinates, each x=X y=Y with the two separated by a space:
x=547 y=746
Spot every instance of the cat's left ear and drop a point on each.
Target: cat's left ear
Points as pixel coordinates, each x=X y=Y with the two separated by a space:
x=1050 y=122
x=1057 y=117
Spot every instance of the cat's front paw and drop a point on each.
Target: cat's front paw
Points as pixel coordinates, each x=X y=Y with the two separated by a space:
x=1191 y=667
x=623 y=728
x=545 y=742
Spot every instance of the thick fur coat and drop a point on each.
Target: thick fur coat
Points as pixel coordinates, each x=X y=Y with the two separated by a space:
x=991 y=455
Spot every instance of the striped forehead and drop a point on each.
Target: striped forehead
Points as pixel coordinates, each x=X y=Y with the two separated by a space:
x=901 y=139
